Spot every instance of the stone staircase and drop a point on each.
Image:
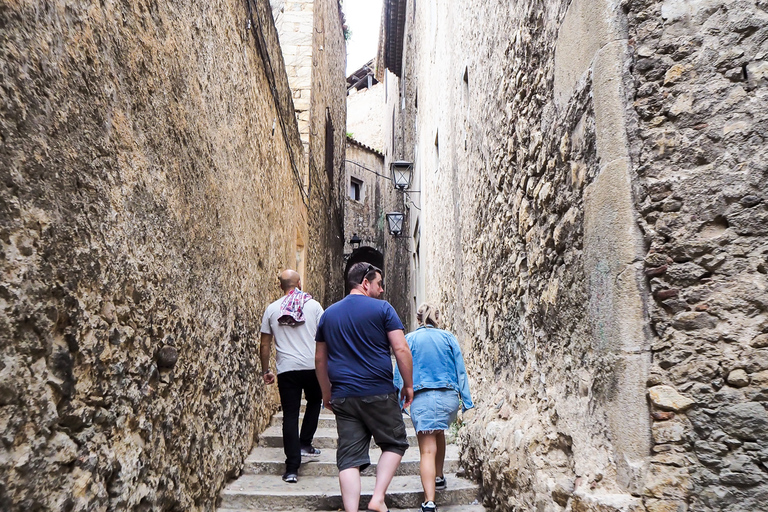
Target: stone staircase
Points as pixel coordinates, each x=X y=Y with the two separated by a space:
x=260 y=487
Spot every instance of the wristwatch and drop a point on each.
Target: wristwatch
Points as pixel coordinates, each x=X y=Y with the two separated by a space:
x=265 y=372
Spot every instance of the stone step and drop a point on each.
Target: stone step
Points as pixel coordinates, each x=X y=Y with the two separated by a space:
x=271 y=461
x=269 y=492
x=325 y=438
x=326 y=420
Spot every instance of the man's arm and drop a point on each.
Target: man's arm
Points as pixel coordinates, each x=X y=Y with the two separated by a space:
x=321 y=369
x=265 y=349
x=404 y=363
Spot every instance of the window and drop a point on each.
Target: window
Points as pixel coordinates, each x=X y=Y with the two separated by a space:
x=355 y=189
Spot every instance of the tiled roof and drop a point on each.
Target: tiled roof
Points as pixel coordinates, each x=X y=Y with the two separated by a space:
x=359 y=144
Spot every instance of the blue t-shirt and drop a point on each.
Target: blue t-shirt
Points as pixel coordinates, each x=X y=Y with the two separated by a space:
x=355 y=333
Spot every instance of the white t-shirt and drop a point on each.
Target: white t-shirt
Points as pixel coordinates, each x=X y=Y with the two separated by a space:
x=295 y=344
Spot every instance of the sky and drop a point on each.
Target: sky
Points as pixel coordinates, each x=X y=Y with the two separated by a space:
x=363 y=19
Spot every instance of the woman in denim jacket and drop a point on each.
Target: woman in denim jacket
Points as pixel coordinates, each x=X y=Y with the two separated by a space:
x=439 y=380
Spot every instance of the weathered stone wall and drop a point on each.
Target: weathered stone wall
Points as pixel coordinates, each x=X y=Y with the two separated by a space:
x=365 y=109
x=593 y=224
x=701 y=152
x=148 y=202
x=327 y=143
x=504 y=176
x=366 y=216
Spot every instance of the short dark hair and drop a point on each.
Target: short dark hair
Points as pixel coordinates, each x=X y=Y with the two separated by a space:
x=361 y=271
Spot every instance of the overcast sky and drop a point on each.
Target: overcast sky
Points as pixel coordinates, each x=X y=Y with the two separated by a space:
x=363 y=19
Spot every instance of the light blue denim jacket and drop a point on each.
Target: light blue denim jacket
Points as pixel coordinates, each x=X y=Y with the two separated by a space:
x=437 y=363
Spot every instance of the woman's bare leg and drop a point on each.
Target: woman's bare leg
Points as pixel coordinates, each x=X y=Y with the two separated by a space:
x=428 y=452
x=439 y=453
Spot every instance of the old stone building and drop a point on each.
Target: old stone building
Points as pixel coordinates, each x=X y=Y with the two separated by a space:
x=593 y=222
x=153 y=184
x=365 y=107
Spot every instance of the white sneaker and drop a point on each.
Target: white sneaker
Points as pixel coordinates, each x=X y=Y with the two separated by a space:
x=428 y=507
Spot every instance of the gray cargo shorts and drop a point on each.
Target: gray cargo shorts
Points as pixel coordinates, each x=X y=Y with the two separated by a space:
x=360 y=417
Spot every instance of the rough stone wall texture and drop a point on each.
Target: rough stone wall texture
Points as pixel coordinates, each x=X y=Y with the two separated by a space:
x=593 y=224
x=147 y=205
x=700 y=147
x=367 y=218
x=503 y=173
x=365 y=109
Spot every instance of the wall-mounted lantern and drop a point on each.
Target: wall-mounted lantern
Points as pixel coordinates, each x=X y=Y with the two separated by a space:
x=401 y=173
x=395 y=223
x=355 y=241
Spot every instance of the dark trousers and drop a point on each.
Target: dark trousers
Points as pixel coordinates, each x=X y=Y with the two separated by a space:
x=290 y=385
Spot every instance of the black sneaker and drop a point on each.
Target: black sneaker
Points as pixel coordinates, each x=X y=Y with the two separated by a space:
x=291 y=478
x=440 y=483
x=310 y=451
x=428 y=507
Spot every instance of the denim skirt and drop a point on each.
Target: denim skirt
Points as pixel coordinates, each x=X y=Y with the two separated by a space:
x=434 y=409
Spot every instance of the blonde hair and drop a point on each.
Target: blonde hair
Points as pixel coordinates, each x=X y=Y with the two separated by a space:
x=428 y=314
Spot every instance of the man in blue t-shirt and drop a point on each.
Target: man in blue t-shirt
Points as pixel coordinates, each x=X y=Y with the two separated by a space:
x=354 y=368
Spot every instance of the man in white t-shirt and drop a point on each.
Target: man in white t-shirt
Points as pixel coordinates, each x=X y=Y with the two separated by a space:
x=292 y=321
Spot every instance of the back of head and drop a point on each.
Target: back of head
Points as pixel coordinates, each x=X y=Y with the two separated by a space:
x=428 y=314
x=289 y=279
x=359 y=272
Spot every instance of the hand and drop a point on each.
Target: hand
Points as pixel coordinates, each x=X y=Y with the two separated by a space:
x=467 y=415
x=269 y=377
x=327 y=403
x=406 y=394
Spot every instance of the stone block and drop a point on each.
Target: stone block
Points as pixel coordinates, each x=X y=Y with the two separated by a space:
x=670 y=459
x=654 y=505
x=585 y=502
x=586 y=27
x=758 y=70
x=760 y=341
x=667 y=398
x=694 y=320
x=760 y=379
x=609 y=223
x=746 y=420
x=291 y=36
x=608 y=92
x=674 y=10
x=666 y=482
x=738 y=378
x=668 y=432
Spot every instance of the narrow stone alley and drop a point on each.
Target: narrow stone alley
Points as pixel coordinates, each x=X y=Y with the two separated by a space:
x=580 y=186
